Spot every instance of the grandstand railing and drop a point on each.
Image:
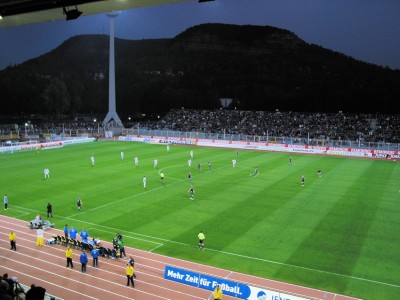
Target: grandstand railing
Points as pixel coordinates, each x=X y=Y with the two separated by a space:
x=306 y=140
x=267 y=139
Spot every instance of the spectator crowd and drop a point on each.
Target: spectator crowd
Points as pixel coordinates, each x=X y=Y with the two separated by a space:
x=330 y=126
x=11 y=289
x=375 y=128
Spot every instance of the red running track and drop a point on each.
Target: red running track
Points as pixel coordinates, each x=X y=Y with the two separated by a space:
x=46 y=266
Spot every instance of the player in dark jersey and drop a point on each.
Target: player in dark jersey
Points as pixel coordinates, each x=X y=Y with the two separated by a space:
x=191 y=192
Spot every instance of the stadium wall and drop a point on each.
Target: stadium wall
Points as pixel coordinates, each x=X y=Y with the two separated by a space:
x=260 y=146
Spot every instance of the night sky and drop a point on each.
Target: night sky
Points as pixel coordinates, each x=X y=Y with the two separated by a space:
x=367 y=30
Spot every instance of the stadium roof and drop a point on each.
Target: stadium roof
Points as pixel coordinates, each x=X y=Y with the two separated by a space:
x=24 y=12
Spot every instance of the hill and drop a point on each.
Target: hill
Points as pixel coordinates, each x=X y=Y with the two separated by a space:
x=259 y=67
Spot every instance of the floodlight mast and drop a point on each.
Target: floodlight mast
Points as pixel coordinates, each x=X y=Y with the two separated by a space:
x=112 y=112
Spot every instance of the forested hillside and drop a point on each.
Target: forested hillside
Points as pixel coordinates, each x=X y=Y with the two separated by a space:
x=259 y=67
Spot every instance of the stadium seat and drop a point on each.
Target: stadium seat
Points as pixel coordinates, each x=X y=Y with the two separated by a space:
x=68 y=241
x=51 y=241
x=59 y=239
x=80 y=245
x=84 y=246
x=73 y=243
x=109 y=252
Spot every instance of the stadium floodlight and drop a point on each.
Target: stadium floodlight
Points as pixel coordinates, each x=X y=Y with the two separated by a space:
x=71 y=14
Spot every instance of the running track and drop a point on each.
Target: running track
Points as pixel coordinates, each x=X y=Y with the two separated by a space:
x=46 y=266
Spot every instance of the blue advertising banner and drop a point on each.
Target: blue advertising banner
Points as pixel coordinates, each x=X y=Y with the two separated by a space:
x=228 y=287
x=231 y=288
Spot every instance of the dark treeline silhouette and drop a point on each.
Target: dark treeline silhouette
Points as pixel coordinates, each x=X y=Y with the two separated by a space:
x=259 y=67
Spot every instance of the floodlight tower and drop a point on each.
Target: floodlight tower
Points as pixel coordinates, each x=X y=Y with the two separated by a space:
x=112 y=112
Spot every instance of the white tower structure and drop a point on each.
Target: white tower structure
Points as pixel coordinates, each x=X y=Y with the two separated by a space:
x=112 y=112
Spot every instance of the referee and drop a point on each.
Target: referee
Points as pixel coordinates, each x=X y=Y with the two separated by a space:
x=201 y=237
x=162 y=177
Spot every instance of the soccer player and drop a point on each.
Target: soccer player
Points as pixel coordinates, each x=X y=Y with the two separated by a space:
x=46 y=173
x=122 y=155
x=189 y=175
x=144 y=182
x=201 y=237
x=5 y=202
x=290 y=161
x=256 y=171
x=168 y=148
x=189 y=163
x=79 y=203
x=92 y=160
x=319 y=173
x=209 y=166
x=136 y=161
x=199 y=167
x=155 y=163
x=233 y=162
x=49 y=210
x=162 y=177
x=191 y=192
x=191 y=154
x=302 y=180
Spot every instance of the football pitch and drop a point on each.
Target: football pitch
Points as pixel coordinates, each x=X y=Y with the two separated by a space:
x=339 y=232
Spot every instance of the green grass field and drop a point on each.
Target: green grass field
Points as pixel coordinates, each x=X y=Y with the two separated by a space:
x=340 y=232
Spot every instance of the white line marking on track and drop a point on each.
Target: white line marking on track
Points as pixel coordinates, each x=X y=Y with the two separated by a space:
x=256 y=258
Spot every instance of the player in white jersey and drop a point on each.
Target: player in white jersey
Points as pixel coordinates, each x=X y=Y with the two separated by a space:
x=233 y=162
x=144 y=182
